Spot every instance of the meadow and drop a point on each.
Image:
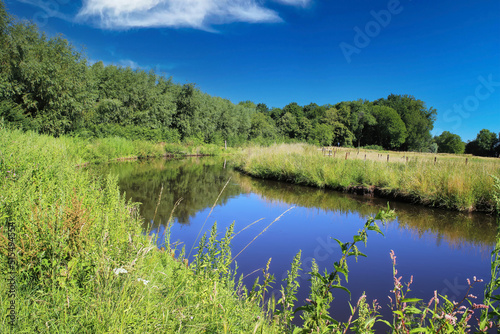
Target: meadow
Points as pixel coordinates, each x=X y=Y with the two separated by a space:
x=462 y=183
x=77 y=261
x=82 y=264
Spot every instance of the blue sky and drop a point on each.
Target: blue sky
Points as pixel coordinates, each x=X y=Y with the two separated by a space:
x=446 y=53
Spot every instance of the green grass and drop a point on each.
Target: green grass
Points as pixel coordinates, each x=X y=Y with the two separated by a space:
x=84 y=266
x=448 y=183
x=73 y=231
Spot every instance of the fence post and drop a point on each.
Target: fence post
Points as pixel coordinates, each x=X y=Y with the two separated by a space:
x=387 y=157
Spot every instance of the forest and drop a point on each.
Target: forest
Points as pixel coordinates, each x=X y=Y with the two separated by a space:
x=48 y=86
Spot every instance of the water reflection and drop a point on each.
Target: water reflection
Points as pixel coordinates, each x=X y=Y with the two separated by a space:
x=198 y=181
x=441 y=249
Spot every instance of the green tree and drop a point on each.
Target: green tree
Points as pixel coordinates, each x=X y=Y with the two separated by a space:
x=321 y=135
x=450 y=143
x=390 y=130
x=262 y=126
x=341 y=133
x=483 y=145
x=418 y=119
x=262 y=107
x=294 y=109
x=47 y=78
x=314 y=112
x=361 y=119
x=287 y=125
x=186 y=111
x=304 y=128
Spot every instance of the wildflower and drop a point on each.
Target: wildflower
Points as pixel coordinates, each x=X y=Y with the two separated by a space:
x=450 y=318
x=143 y=281
x=476 y=306
x=118 y=271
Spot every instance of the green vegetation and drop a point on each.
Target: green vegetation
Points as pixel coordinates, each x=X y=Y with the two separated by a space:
x=450 y=143
x=74 y=234
x=48 y=86
x=82 y=264
x=485 y=144
x=450 y=182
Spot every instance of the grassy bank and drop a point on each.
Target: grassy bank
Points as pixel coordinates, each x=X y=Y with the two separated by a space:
x=82 y=263
x=449 y=182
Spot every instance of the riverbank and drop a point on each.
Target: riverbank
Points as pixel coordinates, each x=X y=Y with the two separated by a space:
x=82 y=264
x=75 y=259
x=449 y=182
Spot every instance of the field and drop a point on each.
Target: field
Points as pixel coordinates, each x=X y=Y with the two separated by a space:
x=461 y=183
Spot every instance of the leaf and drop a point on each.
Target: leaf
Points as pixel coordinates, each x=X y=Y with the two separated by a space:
x=340 y=268
x=412 y=310
x=357 y=238
x=342 y=245
x=410 y=300
x=386 y=322
x=327 y=317
x=307 y=308
x=375 y=228
x=318 y=275
x=342 y=288
x=357 y=253
x=419 y=330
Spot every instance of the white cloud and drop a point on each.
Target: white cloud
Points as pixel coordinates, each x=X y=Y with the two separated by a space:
x=123 y=14
x=129 y=63
x=301 y=3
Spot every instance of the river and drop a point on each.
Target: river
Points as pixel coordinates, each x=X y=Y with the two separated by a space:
x=440 y=248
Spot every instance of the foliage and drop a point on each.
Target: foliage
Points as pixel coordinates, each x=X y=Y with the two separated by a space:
x=49 y=86
x=418 y=119
x=491 y=314
x=316 y=313
x=450 y=143
x=483 y=145
x=390 y=130
x=373 y=147
x=449 y=316
x=84 y=265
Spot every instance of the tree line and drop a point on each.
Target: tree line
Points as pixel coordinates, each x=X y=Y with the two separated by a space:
x=46 y=85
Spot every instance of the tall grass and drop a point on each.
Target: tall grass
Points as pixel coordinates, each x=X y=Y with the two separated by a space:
x=449 y=183
x=82 y=262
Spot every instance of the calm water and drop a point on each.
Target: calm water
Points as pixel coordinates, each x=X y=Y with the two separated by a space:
x=441 y=249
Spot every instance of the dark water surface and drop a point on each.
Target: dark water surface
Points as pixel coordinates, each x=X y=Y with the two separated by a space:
x=441 y=249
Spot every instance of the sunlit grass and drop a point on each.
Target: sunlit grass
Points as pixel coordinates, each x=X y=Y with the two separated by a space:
x=74 y=230
x=449 y=181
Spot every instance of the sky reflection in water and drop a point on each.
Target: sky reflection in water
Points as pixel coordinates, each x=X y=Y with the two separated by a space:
x=440 y=249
